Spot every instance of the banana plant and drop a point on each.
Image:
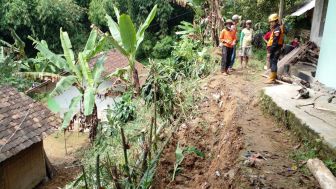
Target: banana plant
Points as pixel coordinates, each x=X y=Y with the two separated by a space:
x=127 y=40
x=78 y=74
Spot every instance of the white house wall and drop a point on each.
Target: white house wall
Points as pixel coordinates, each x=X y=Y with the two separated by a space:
x=315 y=30
x=326 y=69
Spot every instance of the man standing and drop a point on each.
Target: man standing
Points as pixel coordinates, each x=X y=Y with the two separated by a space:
x=246 y=37
x=228 y=38
x=237 y=29
x=274 y=45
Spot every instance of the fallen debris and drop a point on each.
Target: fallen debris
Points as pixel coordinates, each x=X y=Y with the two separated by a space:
x=252 y=158
x=323 y=175
x=303 y=93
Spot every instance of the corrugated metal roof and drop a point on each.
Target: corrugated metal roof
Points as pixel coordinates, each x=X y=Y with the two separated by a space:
x=304 y=9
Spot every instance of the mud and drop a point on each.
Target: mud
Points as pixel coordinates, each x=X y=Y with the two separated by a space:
x=230 y=125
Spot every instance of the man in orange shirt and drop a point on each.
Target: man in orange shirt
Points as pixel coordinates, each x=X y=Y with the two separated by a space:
x=228 y=38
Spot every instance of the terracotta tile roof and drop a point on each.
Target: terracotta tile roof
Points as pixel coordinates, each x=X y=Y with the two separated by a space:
x=115 y=60
x=23 y=122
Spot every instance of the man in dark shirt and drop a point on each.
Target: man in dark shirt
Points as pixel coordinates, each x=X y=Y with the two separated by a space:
x=274 y=45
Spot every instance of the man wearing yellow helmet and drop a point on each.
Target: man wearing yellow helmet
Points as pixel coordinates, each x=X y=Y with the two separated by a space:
x=274 y=45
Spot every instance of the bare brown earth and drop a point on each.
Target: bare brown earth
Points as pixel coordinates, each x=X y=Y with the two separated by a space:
x=66 y=164
x=225 y=129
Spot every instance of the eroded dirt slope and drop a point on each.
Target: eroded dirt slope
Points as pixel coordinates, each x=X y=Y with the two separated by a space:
x=243 y=148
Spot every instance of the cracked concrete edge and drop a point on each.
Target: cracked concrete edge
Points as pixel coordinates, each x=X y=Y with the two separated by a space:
x=299 y=128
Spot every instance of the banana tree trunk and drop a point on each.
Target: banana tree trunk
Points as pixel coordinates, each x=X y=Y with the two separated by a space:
x=92 y=121
x=136 y=81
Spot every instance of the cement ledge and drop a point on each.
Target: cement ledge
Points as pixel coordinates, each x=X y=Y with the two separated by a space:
x=305 y=122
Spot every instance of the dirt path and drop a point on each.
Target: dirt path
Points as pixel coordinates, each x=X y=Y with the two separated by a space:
x=66 y=165
x=243 y=148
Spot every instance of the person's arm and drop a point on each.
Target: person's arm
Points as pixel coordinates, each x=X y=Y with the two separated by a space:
x=252 y=36
x=242 y=34
x=221 y=37
x=264 y=38
x=276 y=37
x=234 y=42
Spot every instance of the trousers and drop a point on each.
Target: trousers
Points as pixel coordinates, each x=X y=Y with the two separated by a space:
x=274 y=58
x=226 y=58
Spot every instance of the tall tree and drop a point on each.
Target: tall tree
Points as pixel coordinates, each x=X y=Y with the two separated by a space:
x=281 y=9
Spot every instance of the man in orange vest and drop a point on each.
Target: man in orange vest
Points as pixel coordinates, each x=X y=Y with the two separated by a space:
x=228 y=38
x=274 y=45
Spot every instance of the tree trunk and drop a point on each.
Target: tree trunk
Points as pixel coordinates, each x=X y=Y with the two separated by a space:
x=217 y=22
x=281 y=10
x=136 y=81
x=322 y=174
x=92 y=121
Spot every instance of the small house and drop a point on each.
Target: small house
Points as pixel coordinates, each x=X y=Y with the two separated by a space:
x=23 y=125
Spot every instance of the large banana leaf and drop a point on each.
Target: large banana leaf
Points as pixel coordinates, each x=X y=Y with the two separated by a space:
x=89 y=100
x=127 y=33
x=42 y=47
x=98 y=70
x=120 y=73
x=73 y=108
x=68 y=53
x=85 y=69
x=53 y=105
x=141 y=32
x=99 y=47
x=116 y=12
x=118 y=47
x=114 y=29
x=91 y=42
x=64 y=84
x=37 y=75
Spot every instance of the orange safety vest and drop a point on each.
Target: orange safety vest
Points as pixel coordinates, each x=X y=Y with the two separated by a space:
x=281 y=37
x=228 y=37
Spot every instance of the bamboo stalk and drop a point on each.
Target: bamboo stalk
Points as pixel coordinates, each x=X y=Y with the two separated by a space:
x=65 y=145
x=145 y=153
x=123 y=138
x=97 y=173
x=150 y=139
x=84 y=175
x=155 y=111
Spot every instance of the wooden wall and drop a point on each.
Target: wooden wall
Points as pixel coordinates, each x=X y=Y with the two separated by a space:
x=24 y=170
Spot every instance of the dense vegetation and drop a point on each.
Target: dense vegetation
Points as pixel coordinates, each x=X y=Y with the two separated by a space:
x=58 y=39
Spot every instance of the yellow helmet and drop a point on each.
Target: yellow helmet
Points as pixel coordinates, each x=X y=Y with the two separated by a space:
x=273 y=17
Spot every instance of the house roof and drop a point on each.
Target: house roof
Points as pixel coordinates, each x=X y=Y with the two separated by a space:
x=23 y=122
x=308 y=6
x=115 y=60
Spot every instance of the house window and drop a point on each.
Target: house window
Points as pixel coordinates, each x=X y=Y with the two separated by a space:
x=323 y=18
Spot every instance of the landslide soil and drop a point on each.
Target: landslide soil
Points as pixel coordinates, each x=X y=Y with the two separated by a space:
x=229 y=123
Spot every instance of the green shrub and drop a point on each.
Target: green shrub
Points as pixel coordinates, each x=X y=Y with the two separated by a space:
x=146 y=47
x=163 y=48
